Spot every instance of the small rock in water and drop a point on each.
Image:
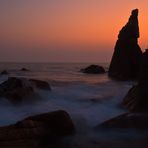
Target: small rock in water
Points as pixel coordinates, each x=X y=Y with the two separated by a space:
x=93 y=69
x=25 y=69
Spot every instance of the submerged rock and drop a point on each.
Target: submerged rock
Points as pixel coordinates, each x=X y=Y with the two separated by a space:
x=127 y=54
x=37 y=131
x=127 y=120
x=25 y=69
x=93 y=69
x=40 y=84
x=4 y=72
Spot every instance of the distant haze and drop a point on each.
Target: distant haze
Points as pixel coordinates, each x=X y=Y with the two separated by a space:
x=65 y=30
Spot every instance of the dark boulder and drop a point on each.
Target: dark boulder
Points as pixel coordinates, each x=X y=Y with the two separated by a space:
x=16 y=89
x=40 y=84
x=37 y=131
x=19 y=89
x=4 y=72
x=127 y=120
x=93 y=69
x=127 y=54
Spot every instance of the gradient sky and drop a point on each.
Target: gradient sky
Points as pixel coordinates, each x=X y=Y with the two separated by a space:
x=65 y=30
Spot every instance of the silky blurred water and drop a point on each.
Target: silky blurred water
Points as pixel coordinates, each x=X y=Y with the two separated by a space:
x=89 y=99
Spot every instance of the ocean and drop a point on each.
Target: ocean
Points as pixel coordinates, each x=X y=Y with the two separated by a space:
x=89 y=99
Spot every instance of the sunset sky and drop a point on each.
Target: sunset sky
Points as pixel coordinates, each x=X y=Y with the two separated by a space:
x=65 y=30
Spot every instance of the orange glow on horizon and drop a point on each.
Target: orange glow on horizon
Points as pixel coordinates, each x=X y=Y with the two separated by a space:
x=91 y=24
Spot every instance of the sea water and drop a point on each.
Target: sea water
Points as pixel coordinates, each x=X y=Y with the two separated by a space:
x=89 y=99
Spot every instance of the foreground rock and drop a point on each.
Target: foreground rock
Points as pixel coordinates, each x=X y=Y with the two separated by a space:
x=93 y=69
x=37 y=131
x=127 y=120
x=4 y=72
x=127 y=54
x=18 y=89
x=40 y=84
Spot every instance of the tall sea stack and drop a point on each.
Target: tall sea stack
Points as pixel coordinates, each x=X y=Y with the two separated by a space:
x=127 y=54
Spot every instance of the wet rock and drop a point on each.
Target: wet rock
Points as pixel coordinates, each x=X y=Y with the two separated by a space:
x=131 y=100
x=19 y=89
x=93 y=69
x=4 y=72
x=127 y=120
x=16 y=89
x=136 y=99
x=127 y=54
x=37 y=131
x=40 y=84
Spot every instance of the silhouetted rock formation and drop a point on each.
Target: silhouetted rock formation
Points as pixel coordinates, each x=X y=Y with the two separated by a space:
x=127 y=55
x=18 y=89
x=37 y=131
x=40 y=84
x=137 y=97
x=4 y=72
x=127 y=120
x=93 y=69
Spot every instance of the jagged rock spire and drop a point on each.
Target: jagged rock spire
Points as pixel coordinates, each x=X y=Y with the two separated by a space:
x=131 y=29
x=127 y=54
